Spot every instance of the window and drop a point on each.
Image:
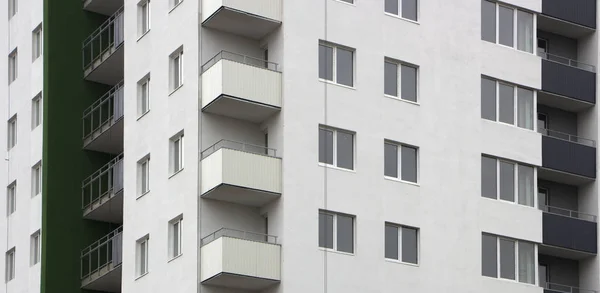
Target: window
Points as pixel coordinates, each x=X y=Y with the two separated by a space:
x=12 y=8
x=11 y=198
x=498 y=26
x=400 y=161
x=35 y=248
x=12 y=132
x=508 y=258
x=141 y=256
x=36 y=111
x=36 y=49
x=10 y=265
x=36 y=179
x=508 y=181
x=403 y=8
x=144 y=95
x=144 y=17
x=336 y=231
x=144 y=175
x=176 y=69
x=336 y=64
x=175 y=3
x=336 y=148
x=401 y=243
x=175 y=237
x=503 y=102
x=400 y=80
x=12 y=66
x=176 y=153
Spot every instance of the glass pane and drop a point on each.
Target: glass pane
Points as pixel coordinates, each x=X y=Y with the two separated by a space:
x=176 y=155
x=409 y=164
x=345 y=67
x=409 y=9
x=543 y=272
x=488 y=178
x=326 y=146
x=525 y=108
x=176 y=72
x=143 y=257
x=526 y=263
x=524 y=31
x=391 y=242
x=507 y=259
x=542 y=198
x=391 y=160
x=507 y=103
x=489 y=259
x=325 y=62
x=176 y=239
x=345 y=150
x=526 y=196
x=345 y=234
x=507 y=181
x=409 y=245
x=391 y=78
x=409 y=83
x=488 y=21
x=488 y=99
x=505 y=26
x=325 y=230
x=391 y=6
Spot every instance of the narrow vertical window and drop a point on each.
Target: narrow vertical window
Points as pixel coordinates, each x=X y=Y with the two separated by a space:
x=36 y=49
x=336 y=64
x=142 y=256
x=10 y=265
x=326 y=146
x=391 y=79
x=488 y=98
x=13 y=66
x=325 y=62
x=488 y=21
x=345 y=66
x=36 y=111
x=176 y=69
x=489 y=258
x=144 y=17
x=336 y=231
x=525 y=31
x=11 y=198
x=489 y=183
x=36 y=179
x=12 y=132
x=35 y=248
x=336 y=148
x=177 y=153
x=144 y=175
x=175 y=229
x=144 y=95
x=12 y=8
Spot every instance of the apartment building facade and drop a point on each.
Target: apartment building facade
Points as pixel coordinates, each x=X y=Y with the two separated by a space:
x=282 y=146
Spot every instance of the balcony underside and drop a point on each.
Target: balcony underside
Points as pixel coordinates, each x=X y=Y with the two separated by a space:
x=563 y=177
x=108 y=208
x=241 y=23
x=561 y=27
x=106 y=139
x=241 y=195
x=239 y=282
x=562 y=102
x=106 y=279
x=108 y=69
x=240 y=109
x=106 y=7
x=563 y=252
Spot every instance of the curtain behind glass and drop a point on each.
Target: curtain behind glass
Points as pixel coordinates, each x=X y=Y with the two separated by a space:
x=524 y=108
x=525 y=31
x=526 y=196
x=526 y=263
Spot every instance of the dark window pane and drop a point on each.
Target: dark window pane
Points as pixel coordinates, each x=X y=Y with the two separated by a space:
x=507 y=259
x=409 y=83
x=391 y=79
x=488 y=178
x=325 y=230
x=325 y=62
x=391 y=6
x=345 y=234
x=409 y=164
x=489 y=259
x=391 y=160
x=409 y=245
x=391 y=242
x=326 y=146
x=345 y=150
x=345 y=67
x=507 y=103
x=488 y=99
x=507 y=181
x=506 y=26
x=409 y=9
x=488 y=21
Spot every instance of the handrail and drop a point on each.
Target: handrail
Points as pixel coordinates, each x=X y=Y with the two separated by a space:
x=107 y=108
x=233 y=233
x=107 y=27
x=566 y=289
x=239 y=146
x=568 y=213
x=94 y=181
x=104 y=248
x=567 y=61
x=567 y=137
x=248 y=60
x=88 y=111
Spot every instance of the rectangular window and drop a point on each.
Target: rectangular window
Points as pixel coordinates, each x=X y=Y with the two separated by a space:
x=400 y=161
x=336 y=147
x=176 y=73
x=144 y=17
x=36 y=111
x=400 y=80
x=336 y=64
x=336 y=231
x=508 y=258
x=176 y=153
x=508 y=181
x=175 y=229
x=35 y=248
x=10 y=265
x=11 y=198
x=37 y=45
x=12 y=132
x=498 y=25
x=401 y=243
x=12 y=8
x=13 y=66
x=144 y=95
x=502 y=102
x=36 y=179
x=407 y=9
x=141 y=256
x=144 y=175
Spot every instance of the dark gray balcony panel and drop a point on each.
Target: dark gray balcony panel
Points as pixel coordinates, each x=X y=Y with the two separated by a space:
x=569 y=81
x=570 y=233
x=581 y=12
x=565 y=156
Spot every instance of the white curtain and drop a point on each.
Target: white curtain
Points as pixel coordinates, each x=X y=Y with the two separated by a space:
x=525 y=31
x=525 y=108
x=526 y=183
x=526 y=262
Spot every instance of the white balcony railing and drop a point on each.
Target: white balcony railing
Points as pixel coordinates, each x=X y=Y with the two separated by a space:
x=105 y=182
x=103 y=255
x=103 y=113
x=103 y=41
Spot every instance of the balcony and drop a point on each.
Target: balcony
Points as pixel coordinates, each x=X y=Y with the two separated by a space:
x=558 y=288
x=240 y=260
x=103 y=53
x=567 y=84
x=241 y=173
x=568 y=234
x=102 y=193
x=567 y=159
x=241 y=87
x=101 y=263
x=106 y=7
x=103 y=123
x=249 y=18
x=568 y=18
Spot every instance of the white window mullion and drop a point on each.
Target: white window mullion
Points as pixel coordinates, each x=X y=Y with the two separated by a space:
x=498 y=259
x=334 y=151
x=400 y=8
x=334 y=231
x=399 y=161
x=399 y=243
x=534 y=118
x=535 y=265
x=515 y=106
x=334 y=64
x=517 y=261
x=515 y=28
x=535 y=190
x=497 y=101
x=516 y=183
x=399 y=81
x=497 y=179
x=497 y=23
x=534 y=40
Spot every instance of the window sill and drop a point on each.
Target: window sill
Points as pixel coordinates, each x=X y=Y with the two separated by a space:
x=402 y=100
x=402 y=18
x=141 y=276
x=512 y=48
x=178 y=171
x=511 y=125
x=335 y=251
x=401 y=181
x=174 y=258
x=401 y=262
x=176 y=89
x=514 y=203
x=141 y=116
x=336 y=168
x=171 y=10
x=344 y=2
x=512 y=281
x=143 y=35
x=142 y=195
x=337 y=84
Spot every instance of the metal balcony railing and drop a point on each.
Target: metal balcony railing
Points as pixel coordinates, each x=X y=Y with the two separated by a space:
x=104 y=40
x=239 y=146
x=567 y=61
x=225 y=55
x=107 y=180
x=565 y=289
x=567 y=137
x=107 y=250
x=232 y=233
x=104 y=112
x=568 y=213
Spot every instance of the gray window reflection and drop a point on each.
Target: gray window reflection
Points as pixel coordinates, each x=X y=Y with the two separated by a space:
x=345 y=234
x=325 y=62
x=345 y=150
x=345 y=67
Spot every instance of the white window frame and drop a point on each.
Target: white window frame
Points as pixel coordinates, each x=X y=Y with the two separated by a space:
x=140 y=270
x=144 y=82
x=9 y=267
x=334 y=232
x=515 y=27
x=37 y=43
x=11 y=198
x=176 y=58
x=399 y=161
x=335 y=132
x=399 y=15
x=13 y=8
x=516 y=252
x=400 y=232
x=335 y=47
x=144 y=167
x=36 y=178
x=13 y=131
x=515 y=104
x=176 y=141
x=175 y=250
x=13 y=66
x=35 y=248
x=516 y=181
x=399 y=65
x=36 y=111
x=144 y=9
